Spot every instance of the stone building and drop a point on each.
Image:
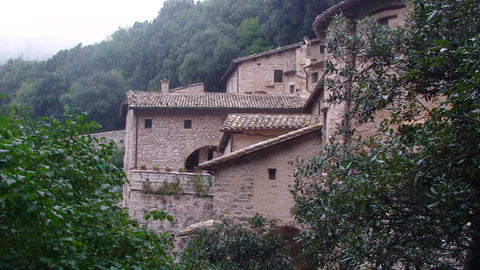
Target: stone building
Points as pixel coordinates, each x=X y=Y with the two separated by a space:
x=292 y=69
x=181 y=130
x=388 y=12
x=254 y=172
x=178 y=131
x=273 y=111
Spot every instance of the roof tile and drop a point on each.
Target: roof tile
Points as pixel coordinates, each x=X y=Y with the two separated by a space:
x=212 y=100
x=269 y=121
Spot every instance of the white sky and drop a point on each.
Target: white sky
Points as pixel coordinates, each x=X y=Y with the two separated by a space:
x=37 y=29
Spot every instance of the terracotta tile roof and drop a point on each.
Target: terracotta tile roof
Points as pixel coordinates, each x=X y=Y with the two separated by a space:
x=259 y=146
x=211 y=100
x=269 y=121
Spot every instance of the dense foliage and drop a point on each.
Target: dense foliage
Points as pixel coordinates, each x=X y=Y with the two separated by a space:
x=231 y=246
x=187 y=43
x=59 y=196
x=408 y=195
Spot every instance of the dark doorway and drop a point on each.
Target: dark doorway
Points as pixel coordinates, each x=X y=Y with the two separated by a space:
x=192 y=160
x=200 y=155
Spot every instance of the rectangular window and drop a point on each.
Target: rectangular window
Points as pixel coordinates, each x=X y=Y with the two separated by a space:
x=187 y=124
x=292 y=89
x=278 y=75
x=322 y=49
x=314 y=77
x=272 y=174
x=148 y=123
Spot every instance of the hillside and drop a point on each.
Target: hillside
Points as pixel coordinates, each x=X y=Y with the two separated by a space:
x=186 y=43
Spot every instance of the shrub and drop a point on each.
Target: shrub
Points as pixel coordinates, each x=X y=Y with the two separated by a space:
x=231 y=246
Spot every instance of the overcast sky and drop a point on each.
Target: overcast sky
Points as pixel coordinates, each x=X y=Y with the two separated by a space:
x=37 y=29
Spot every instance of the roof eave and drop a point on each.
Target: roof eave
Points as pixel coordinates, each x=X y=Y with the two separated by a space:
x=320 y=25
x=213 y=164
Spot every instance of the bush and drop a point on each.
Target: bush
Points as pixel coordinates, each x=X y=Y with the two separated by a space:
x=231 y=246
x=59 y=193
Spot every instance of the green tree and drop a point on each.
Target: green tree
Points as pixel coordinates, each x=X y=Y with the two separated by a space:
x=250 y=37
x=231 y=246
x=58 y=200
x=14 y=73
x=43 y=94
x=407 y=195
x=99 y=96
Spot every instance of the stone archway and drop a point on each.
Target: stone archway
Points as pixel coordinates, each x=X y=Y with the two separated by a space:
x=200 y=155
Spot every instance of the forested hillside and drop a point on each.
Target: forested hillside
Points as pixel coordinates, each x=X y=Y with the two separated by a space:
x=187 y=43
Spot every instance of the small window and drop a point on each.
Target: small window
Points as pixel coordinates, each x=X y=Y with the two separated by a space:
x=322 y=49
x=187 y=124
x=148 y=123
x=314 y=77
x=384 y=21
x=292 y=89
x=272 y=174
x=278 y=75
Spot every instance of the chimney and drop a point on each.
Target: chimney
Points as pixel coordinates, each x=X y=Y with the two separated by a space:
x=164 y=86
x=306 y=39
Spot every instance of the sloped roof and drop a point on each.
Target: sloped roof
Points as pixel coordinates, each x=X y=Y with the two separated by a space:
x=322 y=21
x=259 y=146
x=157 y=100
x=269 y=121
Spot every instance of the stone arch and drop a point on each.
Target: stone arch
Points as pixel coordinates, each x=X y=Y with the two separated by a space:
x=200 y=155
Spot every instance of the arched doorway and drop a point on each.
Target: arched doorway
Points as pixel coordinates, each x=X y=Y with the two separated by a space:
x=200 y=155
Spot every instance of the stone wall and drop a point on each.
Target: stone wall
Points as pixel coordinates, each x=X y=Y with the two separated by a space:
x=394 y=14
x=256 y=75
x=249 y=137
x=118 y=136
x=194 y=205
x=243 y=187
x=192 y=88
x=167 y=142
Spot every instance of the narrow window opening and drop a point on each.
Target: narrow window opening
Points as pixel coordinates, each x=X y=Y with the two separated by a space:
x=314 y=77
x=148 y=123
x=292 y=89
x=187 y=124
x=322 y=49
x=272 y=174
x=384 y=21
x=278 y=75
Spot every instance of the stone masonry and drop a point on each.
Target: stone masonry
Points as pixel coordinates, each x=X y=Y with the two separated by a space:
x=194 y=204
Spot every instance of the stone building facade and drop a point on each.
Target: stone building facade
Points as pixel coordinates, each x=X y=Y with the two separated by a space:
x=256 y=178
x=186 y=196
x=287 y=70
x=176 y=131
x=390 y=13
x=274 y=110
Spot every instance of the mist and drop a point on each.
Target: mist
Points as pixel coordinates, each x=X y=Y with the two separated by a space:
x=30 y=49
